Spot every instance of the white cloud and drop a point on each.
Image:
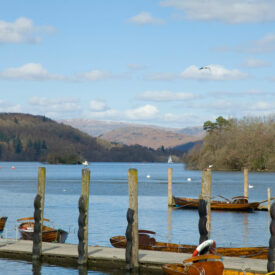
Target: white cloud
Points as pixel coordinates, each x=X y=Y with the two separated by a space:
x=94 y=75
x=263 y=45
x=144 y=112
x=228 y=11
x=255 y=63
x=165 y=96
x=21 y=31
x=136 y=67
x=262 y=106
x=30 y=71
x=98 y=105
x=145 y=18
x=212 y=72
x=10 y=108
x=57 y=106
x=161 y=76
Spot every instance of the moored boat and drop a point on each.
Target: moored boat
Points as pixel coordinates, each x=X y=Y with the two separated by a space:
x=49 y=234
x=239 y=203
x=2 y=224
x=148 y=242
x=199 y=263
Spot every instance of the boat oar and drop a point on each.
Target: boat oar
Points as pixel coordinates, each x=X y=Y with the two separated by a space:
x=224 y=198
x=266 y=200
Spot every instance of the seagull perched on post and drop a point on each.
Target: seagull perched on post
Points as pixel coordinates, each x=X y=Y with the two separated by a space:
x=85 y=163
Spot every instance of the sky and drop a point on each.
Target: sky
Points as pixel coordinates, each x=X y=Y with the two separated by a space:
x=172 y=63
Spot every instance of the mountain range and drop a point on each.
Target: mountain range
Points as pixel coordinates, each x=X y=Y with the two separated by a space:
x=131 y=133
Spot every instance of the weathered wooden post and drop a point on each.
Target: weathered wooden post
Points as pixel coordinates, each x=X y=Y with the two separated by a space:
x=170 y=182
x=245 y=182
x=268 y=199
x=83 y=205
x=271 y=250
x=202 y=220
x=38 y=215
x=206 y=185
x=131 y=252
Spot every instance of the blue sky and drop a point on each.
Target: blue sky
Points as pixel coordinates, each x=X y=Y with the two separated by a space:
x=173 y=63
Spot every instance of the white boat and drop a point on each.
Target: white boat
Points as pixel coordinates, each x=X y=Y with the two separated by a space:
x=170 y=159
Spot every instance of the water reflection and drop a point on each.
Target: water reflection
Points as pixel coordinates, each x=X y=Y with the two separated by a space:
x=169 y=224
x=82 y=270
x=245 y=225
x=36 y=268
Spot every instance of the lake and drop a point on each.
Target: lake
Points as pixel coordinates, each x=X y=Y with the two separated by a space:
x=109 y=202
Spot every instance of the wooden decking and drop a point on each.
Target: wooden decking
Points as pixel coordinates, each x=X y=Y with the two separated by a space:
x=67 y=255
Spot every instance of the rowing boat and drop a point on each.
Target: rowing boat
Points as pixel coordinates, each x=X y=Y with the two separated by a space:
x=2 y=224
x=205 y=264
x=148 y=242
x=239 y=203
x=49 y=234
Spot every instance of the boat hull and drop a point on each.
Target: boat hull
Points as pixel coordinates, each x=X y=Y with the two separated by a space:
x=246 y=252
x=49 y=234
x=180 y=269
x=2 y=224
x=197 y=268
x=188 y=203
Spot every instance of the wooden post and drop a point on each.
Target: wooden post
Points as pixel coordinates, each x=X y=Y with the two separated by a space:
x=206 y=182
x=245 y=183
x=133 y=205
x=38 y=214
x=268 y=199
x=83 y=218
x=170 y=193
x=271 y=249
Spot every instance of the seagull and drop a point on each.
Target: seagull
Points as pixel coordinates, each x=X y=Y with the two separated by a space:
x=85 y=163
x=210 y=166
x=205 y=68
x=250 y=186
x=188 y=179
x=148 y=176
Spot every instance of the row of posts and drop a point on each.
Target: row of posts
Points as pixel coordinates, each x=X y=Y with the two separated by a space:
x=131 y=252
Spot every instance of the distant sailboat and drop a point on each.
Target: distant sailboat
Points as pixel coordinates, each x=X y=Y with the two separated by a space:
x=170 y=159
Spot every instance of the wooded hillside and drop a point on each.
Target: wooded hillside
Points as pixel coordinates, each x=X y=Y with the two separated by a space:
x=25 y=137
x=234 y=144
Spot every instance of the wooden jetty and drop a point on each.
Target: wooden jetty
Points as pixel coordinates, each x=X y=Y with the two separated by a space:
x=112 y=258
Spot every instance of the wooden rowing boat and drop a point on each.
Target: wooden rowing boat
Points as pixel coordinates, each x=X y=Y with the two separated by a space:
x=49 y=234
x=205 y=264
x=236 y=272
x=179 y=269
x=2 y=224
x=148 y=242
x=239 y=203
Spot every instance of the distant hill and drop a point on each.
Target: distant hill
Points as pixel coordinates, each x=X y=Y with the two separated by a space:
x=132 y=133
x=145 y=136
x=25 y=137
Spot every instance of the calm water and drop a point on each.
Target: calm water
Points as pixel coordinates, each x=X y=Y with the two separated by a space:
x=109 y=203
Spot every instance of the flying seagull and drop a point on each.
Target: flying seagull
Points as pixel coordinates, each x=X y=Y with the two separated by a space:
x=205 y=68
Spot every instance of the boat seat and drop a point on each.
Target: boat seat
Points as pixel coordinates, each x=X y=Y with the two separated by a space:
x=145 y=239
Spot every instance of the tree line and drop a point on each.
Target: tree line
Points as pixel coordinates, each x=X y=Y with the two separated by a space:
x=232 y=144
